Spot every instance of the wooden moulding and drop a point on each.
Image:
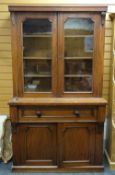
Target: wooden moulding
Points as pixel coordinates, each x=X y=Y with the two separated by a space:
x=57 y=7
x=55 y=169
x=58 y=101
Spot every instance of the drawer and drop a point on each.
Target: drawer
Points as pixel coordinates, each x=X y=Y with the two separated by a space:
x=57 y=113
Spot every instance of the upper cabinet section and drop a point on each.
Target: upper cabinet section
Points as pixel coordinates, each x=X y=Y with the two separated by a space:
x=57 y=51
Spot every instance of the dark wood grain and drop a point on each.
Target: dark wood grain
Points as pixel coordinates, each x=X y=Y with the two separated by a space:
x=92 y=168
x=73 y=137
x=61 y=7
x=57 y=101
x=57 y=131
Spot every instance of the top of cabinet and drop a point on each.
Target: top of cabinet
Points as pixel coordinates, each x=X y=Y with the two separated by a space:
x=57 y=7
x=112 y=15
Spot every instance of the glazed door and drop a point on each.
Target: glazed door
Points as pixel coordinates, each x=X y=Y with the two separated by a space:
x=79 y=55
x=76 y=144
x=37 y=54
x=35 y=144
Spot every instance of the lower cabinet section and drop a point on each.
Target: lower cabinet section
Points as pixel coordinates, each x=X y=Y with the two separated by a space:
x=57 y=146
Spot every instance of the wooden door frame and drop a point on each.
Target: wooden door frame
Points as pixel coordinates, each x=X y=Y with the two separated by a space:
x=18 y=74
x=97 y=81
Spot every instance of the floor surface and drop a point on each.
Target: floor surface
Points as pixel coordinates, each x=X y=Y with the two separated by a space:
x=5 y=169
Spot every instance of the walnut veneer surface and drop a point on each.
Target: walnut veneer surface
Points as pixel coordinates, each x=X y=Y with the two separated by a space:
x=57 y=110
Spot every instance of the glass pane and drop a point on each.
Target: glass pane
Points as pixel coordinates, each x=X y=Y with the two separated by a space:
x=78 y=67
x=78 y=84
x=37 y=67
x=78 y=46
x=37 y=26
x=37 y=46
x=78 y=54
x=33 y=84
x=37 y=53
x=79 y=26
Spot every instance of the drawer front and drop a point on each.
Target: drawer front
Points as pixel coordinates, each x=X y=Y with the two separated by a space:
x=58 y=113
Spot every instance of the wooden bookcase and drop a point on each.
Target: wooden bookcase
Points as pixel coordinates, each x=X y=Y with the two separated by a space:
x=57 y=111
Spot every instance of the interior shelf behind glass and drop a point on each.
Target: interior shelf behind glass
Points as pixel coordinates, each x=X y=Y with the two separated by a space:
x=78 y=36
x=36 y=75
x=77 y=58
x=37 y=58
x=38 y=35
x=86 y=75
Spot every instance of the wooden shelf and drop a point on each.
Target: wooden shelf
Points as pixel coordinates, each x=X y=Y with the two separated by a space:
x=72 y=58
x=76 y=76
x=66 y=76
x=37 y=58
x=36 y=75
x=71 y=36
x=37 y=35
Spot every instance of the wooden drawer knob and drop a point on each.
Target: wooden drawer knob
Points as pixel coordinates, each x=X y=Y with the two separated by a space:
x=77 y=114
x=39 y=114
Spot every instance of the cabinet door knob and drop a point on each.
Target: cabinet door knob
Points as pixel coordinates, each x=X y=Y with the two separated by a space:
x=77 y=114
x=39 y=114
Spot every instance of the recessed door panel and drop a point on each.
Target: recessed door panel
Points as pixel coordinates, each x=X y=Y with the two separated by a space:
x=38 y=144
x=78 y=144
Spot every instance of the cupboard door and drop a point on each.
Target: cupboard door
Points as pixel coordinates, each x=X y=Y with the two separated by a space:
x=76 y=144
x=37 y=54
x=79 y=54
x=36 y=145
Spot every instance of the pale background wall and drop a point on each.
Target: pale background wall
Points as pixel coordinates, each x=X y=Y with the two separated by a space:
x=5 y=49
